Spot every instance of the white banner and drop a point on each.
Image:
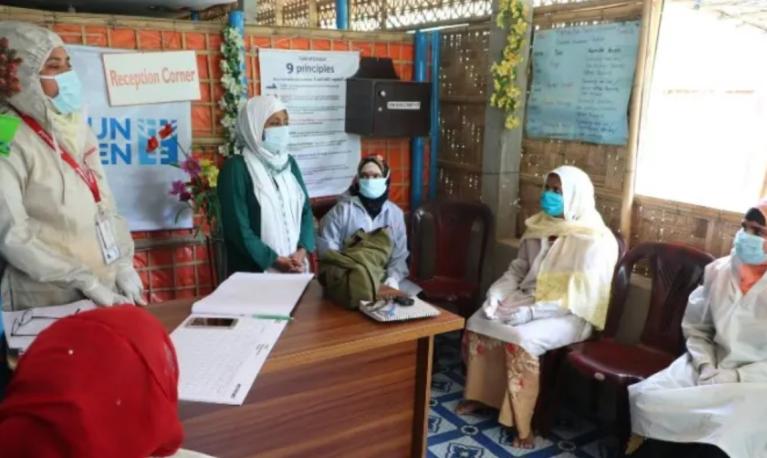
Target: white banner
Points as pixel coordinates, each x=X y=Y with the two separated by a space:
x=138 y=78
x=313 y=86
x=140 y=180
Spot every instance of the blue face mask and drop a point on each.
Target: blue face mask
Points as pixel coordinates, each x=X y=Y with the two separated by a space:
x=372 y=188
x=552 y=204
x=69 y=98
x=750 y=248
x=276 y=139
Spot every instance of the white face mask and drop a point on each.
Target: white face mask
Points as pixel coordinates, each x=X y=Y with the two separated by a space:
x=276 y=139
x=372 y=188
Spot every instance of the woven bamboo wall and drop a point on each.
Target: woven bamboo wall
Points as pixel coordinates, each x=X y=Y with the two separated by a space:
x=368 y=15
x=605 y=164
x=704 y=228
x=651 y=219
x=464 y=66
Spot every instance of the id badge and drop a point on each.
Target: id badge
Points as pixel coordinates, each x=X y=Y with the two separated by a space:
x=107 y=240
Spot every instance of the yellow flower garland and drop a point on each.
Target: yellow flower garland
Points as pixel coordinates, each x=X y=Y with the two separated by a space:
x=512 y=15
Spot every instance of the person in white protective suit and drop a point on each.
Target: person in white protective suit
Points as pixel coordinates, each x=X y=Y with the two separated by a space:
x=554 y=294
x=714 y=397
x=366 y=206
x=61 y=239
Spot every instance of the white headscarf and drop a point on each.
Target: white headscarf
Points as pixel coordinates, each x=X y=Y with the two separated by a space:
x=577 y=271
x=275 y=186
x=250 y=130
x=580 y=216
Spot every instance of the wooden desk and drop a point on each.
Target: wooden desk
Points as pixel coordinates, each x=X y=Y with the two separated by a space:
x=337 y=384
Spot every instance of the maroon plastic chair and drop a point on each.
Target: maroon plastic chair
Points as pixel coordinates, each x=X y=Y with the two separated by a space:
x=675 y=271
x=552 y=360
x=451 y=283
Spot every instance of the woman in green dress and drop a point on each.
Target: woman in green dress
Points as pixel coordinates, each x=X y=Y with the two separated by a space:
x=265 y=212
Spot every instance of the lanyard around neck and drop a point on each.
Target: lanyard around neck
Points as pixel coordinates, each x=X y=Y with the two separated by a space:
x=88 y=177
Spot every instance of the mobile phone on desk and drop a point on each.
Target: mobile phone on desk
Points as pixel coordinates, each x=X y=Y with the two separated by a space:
x=403 y=301
x=211 y=322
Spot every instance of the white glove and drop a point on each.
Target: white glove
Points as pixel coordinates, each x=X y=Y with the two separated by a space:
x=129 y=283
x=392 y=282
x=520 y=315
x=707 y=371
x=719 y=376
x=490 y=307
x=104 y=297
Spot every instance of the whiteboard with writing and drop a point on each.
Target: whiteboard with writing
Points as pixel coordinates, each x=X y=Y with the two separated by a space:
x=582 y=79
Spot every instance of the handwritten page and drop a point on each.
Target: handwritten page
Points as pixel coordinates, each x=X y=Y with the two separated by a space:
x=249 y=294
x=22 y=327
x=582 y=80
x=220 y=364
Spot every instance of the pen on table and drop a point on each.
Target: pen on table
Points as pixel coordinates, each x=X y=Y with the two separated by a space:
x=273 y=317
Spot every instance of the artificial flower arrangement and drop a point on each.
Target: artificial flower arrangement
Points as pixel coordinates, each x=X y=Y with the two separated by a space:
x=235 y=88
x=512 y=15
x=198 y=191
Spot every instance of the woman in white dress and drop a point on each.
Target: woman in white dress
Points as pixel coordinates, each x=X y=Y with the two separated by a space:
x=716 y=393
x=553 y=294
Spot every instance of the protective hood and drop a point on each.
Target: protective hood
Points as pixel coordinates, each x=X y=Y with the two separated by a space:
x=33 y=44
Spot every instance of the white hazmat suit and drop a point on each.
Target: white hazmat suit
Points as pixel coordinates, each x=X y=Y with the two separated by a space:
x=50 y=250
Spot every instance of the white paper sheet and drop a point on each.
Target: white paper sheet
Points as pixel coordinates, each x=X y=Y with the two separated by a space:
x=393 y=312
x=22 y=327
x=249 y=294
x=219 y=365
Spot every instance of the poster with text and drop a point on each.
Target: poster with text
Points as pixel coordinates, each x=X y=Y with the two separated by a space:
x=140 y=180
x=312 y=84
x=582 y=79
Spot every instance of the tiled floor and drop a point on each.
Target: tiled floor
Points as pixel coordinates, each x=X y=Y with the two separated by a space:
x=480 y=436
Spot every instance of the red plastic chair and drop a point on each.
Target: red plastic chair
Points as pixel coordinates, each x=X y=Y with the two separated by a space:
x=451 y=282
x=552 y=360
x=675 y=270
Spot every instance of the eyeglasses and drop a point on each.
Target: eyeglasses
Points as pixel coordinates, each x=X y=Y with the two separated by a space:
x=29 y=317
x=755 y=228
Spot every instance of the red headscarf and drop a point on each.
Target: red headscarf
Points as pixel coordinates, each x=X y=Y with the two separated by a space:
x=750 y=274
x=100 y=384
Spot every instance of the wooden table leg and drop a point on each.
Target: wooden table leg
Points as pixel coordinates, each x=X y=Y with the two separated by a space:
x=422 y=396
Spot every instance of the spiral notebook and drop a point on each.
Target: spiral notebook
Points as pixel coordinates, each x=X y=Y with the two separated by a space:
x=390 y=311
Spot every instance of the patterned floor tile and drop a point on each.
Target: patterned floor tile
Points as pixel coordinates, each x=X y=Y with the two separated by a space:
x=481 y=436
x=462 y=447
x=504 y=437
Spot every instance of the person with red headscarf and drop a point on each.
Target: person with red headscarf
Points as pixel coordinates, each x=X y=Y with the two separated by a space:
x=712 y=400
x=99 y=384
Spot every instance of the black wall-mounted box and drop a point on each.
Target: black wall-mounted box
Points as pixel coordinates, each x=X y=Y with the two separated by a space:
x=383 y=106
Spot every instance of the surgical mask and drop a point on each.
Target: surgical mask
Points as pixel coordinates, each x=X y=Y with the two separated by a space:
x=552 y=203
x=276 y=139
x=69 y=98
x=372 y=188
x=750 y=248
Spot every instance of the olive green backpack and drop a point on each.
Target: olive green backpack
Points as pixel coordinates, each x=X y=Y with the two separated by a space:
x=355 y=273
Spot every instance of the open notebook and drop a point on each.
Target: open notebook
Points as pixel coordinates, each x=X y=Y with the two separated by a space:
x=249 y=293
x=394 y=312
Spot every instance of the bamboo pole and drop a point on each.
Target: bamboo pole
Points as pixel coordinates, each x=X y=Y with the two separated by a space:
x=645 y=59
x=278 y=10
x=314 y=17
x=583 y=6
